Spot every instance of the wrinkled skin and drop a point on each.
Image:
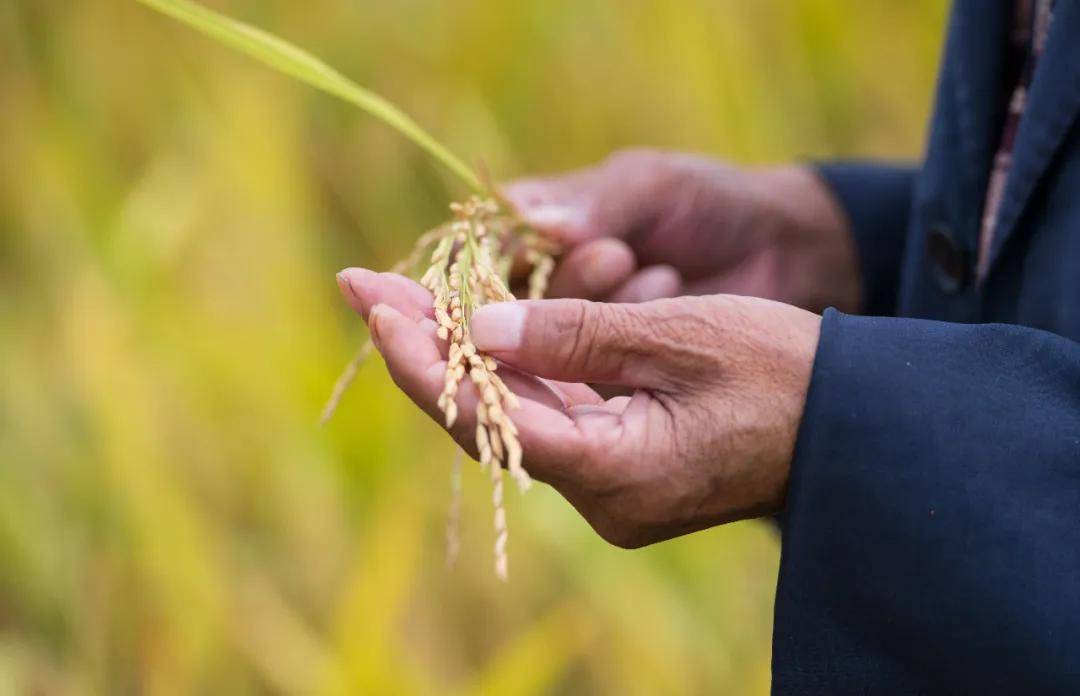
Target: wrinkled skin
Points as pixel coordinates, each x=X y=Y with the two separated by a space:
x=718 y=383
x=645 y=224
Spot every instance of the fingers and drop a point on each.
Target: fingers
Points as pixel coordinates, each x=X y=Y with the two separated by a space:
x=593 y=269
x=574 y=394
x=558 y=206
x=559 y=422
x=412 y=356
x=550 y=438
x=643 y=345
x=556 y=395
x=610 y=199
x=587 y=211
x=363 y=289
x=651 y=283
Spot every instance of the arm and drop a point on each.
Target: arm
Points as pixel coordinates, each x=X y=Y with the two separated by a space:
x=877 y=201
x=933 y=513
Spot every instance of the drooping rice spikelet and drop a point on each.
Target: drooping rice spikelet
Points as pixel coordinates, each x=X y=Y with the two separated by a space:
x=469 y=262
x=344 y=381
x=462 y=278
x=348 y=375
x=502 y=535
x=539 y=254
x=453 y=516
x=542 y=265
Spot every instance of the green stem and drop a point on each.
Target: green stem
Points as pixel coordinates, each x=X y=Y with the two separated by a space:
x=295 y=62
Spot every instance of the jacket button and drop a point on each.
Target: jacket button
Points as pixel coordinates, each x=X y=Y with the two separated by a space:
x=948 y=261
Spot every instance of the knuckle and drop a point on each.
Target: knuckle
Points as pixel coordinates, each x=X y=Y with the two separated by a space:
x=566 y=327
x=607 y=492
x=586 y=323
x=622 y=518
x=601 y=464
x=624 y=508
x=617 y=532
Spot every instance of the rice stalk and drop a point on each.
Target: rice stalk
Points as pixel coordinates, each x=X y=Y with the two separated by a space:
x=470 y=259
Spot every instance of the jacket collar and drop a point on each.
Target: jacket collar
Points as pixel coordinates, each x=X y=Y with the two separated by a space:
x=976 y=57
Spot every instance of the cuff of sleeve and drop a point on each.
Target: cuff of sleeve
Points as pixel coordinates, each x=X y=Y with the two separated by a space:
x=832 y=527
x=932 y=479
x=877 y=202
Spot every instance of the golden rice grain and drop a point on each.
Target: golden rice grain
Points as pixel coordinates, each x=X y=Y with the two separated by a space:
x=453 y=517
x=469 y=263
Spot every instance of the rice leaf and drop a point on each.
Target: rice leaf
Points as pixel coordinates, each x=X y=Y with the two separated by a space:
x=295 y=62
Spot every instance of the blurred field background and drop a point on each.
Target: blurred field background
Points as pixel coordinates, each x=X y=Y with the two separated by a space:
x=171 y=217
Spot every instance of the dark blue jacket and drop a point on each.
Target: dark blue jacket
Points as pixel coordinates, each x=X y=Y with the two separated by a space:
x=931 y=542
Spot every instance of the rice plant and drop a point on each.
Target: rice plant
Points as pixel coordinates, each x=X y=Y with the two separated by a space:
x=470 y=259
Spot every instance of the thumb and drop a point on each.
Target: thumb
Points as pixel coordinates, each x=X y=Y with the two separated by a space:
x=557 y=206
x=648 y=345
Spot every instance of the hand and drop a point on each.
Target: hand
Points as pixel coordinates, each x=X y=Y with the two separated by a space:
x=643 y=225
x=706 y=438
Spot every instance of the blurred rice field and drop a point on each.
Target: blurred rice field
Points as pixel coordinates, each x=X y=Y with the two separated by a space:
x=171 y=217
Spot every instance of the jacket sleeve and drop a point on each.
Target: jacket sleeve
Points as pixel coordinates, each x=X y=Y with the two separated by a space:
x=877 y=201
x=931 y=541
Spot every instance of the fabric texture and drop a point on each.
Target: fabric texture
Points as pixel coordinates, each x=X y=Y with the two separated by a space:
x=931 y=546
x=931 y=542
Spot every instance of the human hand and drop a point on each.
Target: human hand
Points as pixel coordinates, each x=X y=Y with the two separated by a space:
x=706 y=438
x=647 y=224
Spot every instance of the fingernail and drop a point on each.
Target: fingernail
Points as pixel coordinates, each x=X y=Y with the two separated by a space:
x=373 y=326
x=498 y=327
x=355 y=281
x=377 y=323
x=558 y=217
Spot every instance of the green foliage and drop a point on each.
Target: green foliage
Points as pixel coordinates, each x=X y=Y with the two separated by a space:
x=171 y=518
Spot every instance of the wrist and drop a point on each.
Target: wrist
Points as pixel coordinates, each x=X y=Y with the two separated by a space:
x=809 y=234
x=749 y=472
x=789 y=338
